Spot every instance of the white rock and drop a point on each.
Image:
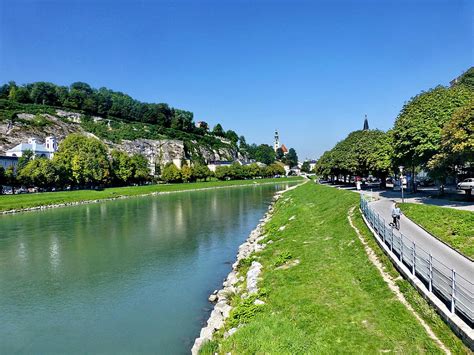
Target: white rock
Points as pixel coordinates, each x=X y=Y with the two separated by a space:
x=282 y=228
x=252 y=277
x=212 y=298
x=258 y=302
x=229 y=333
x=215 y=321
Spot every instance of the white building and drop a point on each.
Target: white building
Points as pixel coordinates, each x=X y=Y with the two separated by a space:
x=45 y=150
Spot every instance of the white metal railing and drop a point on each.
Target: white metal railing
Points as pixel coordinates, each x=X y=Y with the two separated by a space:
x=453 y=289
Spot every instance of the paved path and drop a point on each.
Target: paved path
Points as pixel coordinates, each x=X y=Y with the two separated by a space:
x=426 y=241
x=419 y=198
x=440 y=251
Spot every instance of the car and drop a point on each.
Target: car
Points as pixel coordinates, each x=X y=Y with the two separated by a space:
x=426 y=181
x=467 y=184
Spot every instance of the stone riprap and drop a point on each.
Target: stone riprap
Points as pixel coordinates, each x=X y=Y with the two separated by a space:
x=222 y=307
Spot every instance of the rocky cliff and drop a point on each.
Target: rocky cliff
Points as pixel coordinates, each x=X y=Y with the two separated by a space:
x=64 y=123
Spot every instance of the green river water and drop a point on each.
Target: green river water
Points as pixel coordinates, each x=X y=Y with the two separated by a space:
x=125 y=276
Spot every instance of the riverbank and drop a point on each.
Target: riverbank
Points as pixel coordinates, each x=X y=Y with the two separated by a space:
x=38 y=201
x=317 y=290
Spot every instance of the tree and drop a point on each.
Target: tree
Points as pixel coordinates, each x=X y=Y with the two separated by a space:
x=39 y=172
x=305 y=167
x=417 y=130
x=360 y=153
x=232 y=136
x=201 y=172
x=457 y=143
x=140 y=169
x=10 y=178
x=275 y=169
x=44 y=93
x=83 y=160
x=187 y=173
x=264 y=154
x=467 y=79
x=3 y=179
x=242 y=143
x=171 y=173
x=24 y=159
x=222 y=173
x=218 y=130
x=121 y=165
x=280 y=154
x=291 y=158
x=253 y=170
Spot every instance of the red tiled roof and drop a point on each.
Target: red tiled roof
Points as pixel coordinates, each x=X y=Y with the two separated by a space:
x=284 y=148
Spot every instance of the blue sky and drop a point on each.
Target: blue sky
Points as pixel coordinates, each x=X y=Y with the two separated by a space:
x=312 y=69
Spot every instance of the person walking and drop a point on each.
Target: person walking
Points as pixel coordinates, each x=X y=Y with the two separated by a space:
x=396 y=213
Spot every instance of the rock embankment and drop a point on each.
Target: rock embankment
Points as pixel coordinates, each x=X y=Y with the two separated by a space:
x=222 y=297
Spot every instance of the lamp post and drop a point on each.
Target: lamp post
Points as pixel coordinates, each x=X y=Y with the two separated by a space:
x=401 y=180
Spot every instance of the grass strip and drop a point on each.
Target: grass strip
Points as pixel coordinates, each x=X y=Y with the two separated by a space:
x=333 y=300
x=454 y=227
x=18 y=202
x=419 y=304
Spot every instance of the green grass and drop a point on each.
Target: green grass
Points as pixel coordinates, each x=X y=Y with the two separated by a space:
x=335 y=300
x=419 y=304
x=17 y=202
x=454 y=227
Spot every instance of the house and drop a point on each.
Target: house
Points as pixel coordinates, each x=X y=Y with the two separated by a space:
x=45 y=150
x=213 y=165
x=6 y=162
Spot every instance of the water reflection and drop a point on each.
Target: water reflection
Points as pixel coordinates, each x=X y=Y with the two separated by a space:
x=113 y=273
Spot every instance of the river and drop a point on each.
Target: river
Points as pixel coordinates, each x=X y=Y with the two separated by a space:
x=124 y=276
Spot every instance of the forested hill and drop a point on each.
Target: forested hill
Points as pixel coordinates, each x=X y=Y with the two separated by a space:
x=123 y=117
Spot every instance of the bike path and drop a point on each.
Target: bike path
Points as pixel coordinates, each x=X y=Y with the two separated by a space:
x=440 y=251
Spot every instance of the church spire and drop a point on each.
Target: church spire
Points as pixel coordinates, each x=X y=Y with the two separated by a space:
x=366 y=123
x=276 y=143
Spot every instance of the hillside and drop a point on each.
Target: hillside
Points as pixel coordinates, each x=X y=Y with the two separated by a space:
x=161 y=133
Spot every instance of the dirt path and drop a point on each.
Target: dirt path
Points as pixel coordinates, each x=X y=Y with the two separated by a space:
x=391 y=283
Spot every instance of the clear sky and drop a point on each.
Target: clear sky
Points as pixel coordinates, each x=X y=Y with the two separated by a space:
x=312 y=69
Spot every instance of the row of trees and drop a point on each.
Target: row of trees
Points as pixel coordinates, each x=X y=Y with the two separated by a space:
x=434 y=131
x=80 y=161
x=361 y=153
x=264 y=153
x=235 y=171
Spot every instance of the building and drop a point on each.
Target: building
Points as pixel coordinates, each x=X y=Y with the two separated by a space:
x=6 y=162
x=45 y=150
x=276 y=144
x=213 y=165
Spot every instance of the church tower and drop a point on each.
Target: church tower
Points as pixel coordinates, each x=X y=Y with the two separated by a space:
x=276 y=144
x=366 y=124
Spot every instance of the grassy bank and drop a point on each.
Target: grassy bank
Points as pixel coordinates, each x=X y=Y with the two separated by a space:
x=16 y=202
x=333 y=301
x=454 y=227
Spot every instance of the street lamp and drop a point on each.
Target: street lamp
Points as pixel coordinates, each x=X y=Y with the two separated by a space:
x=401 y=180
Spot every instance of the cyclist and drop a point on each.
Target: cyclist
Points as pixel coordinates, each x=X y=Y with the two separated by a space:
x=396 y=213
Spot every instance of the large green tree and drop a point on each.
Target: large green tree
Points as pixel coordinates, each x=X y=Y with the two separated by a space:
x=264 y=154
x=417 y=130
x=171 y=173
x=83 y=160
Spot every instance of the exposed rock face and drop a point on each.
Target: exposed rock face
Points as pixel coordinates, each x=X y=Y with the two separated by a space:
x=18 y=132
x=158 y=152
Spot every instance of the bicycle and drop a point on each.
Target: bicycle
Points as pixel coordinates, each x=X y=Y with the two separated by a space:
x=395 y=225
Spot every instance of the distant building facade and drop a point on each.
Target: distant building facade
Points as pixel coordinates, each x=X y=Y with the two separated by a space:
x=45 y=150
x=6 y=162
